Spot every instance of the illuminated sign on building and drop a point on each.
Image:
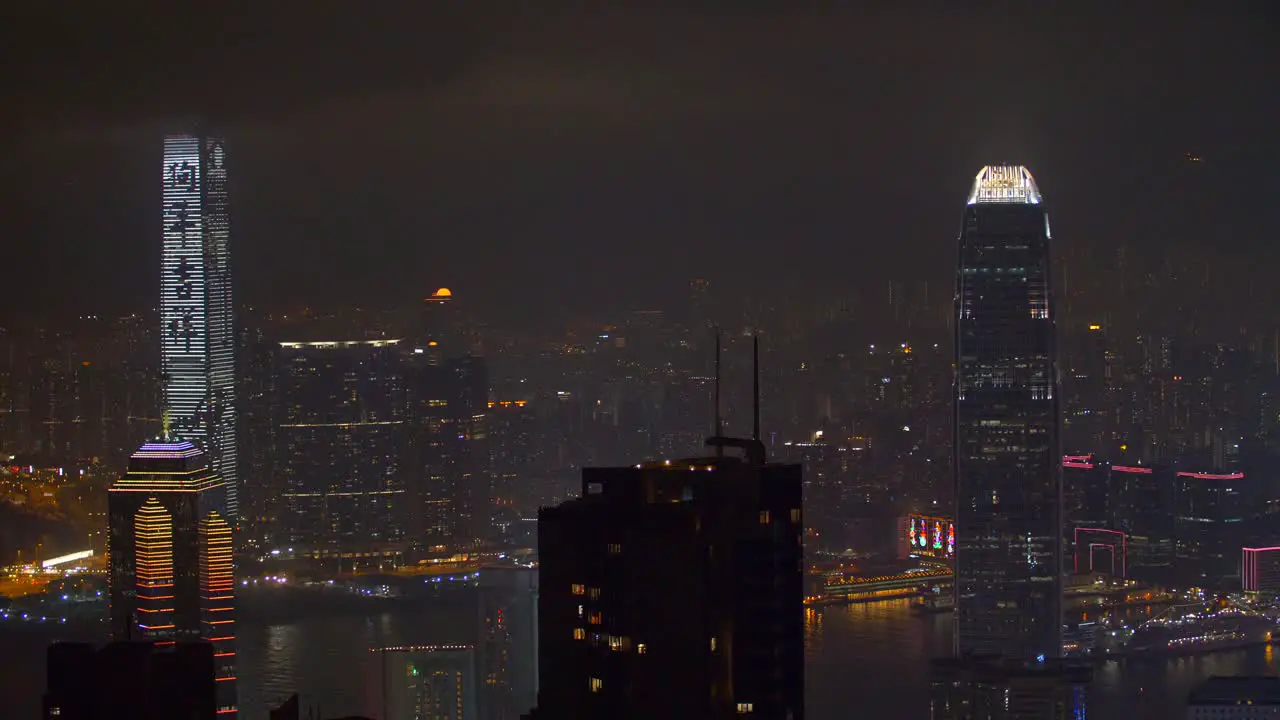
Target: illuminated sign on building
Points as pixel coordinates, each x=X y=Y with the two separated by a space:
x=197 y=335
x=928 y=536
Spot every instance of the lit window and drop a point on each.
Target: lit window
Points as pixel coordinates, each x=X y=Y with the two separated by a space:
x=641 y=648
x=615 y=548
x=595 y=618
x=616 y=642
x=795 y=515
x=577 y=589
x=744 y=708
x=596 y=684
x=765 y=518
x=594 y=593
x=579 y=634
x=713 y=644
x=579 y=611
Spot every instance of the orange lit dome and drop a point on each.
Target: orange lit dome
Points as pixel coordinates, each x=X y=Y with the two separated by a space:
x=442 y=293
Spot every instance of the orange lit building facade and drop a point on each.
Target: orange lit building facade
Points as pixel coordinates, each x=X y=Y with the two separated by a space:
x=170 y=556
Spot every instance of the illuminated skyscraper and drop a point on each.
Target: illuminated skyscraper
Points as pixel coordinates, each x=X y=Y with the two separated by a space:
x=169 y=544
x=196 y=320
x=1007 y=465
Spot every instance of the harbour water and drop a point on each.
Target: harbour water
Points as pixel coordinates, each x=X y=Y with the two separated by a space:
x=868 y=661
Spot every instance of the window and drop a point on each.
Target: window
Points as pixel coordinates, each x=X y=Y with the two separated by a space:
x=595 y=618
x=795 y=515
x=641 y=648
x=618 y=642
x=765 y=517
x=577 y=589
x=615 y=548
x=579 y=634
x=713 y=644
x=595 y=684
x=579 y=611
x=593 y=593
x=744 y=708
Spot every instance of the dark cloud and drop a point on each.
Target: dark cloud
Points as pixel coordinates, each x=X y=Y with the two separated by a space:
x=618 y=150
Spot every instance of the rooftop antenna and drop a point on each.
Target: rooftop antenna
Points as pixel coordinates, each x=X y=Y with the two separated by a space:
x=755 y=386
x=164 y=425
x=715 y=431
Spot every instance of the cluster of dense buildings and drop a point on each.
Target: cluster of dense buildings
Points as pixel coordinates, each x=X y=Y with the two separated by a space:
x=667 y=589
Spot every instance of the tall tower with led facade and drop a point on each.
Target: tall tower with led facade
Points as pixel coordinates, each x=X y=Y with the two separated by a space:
x=169 y=575
x=1007 y=461
x=196 y=314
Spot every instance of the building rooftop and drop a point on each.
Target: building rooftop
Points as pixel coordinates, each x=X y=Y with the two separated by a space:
x=1008 y=184
x=1237 y=690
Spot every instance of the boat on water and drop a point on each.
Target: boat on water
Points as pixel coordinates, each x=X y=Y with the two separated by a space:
x=1201 y=631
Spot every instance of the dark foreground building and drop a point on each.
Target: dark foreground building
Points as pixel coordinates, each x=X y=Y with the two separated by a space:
x=131 y=681
x=1007 y=466
x=674 y=590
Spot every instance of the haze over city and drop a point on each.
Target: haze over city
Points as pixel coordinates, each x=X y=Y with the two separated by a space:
x=498 y=361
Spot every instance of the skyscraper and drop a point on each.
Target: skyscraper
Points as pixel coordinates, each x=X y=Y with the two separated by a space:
x=1007 y=465
x=340 y=445
x=170 y=571
x=196 y=314
x=674 y=589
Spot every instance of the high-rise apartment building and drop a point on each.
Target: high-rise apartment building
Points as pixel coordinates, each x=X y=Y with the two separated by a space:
x=340 y=445
x=197 y=348
x=449 y=405
x=1007 y=463
x=674 y=589
x=170 y=575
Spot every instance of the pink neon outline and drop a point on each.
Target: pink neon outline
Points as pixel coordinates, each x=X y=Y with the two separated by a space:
x=1213 y=476
x=1077 y=465
x=1131 y=469
x=1249 y=567
x=1124 y=550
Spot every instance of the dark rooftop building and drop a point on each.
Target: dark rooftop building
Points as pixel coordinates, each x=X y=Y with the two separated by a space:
x=130 y=681
x=674 y=590
x=1228 y=698
x=995 y=689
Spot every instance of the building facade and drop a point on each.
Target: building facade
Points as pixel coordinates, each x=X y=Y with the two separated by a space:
x=674 y=590
x=170 y=575
x=340 y=447
x=197 y=348
x=1007 y=461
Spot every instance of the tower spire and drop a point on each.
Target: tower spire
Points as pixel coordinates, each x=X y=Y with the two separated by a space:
x=164 y=425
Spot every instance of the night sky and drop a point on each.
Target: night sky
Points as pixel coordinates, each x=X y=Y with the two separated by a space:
x=571 y=159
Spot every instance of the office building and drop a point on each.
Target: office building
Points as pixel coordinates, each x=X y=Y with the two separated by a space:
x=507 y=646
x=1007 y=461
x=340 y=446
x=428 y=682
x=197 y=347
x=1235 y=698
x=133 y=680
x=449 y=440
x=674 y=589
x=1260 y=571
x=170 y=576
x=1209 y=527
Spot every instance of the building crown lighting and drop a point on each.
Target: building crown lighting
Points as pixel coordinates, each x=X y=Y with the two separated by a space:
x=1004 y=184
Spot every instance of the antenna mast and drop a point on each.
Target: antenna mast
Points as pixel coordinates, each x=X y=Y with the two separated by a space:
x=715 y=431
x=755 y=387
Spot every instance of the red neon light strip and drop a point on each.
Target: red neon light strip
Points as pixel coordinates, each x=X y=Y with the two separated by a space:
x=1077 y=465
x=1131 y=469
x=1212 y=476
